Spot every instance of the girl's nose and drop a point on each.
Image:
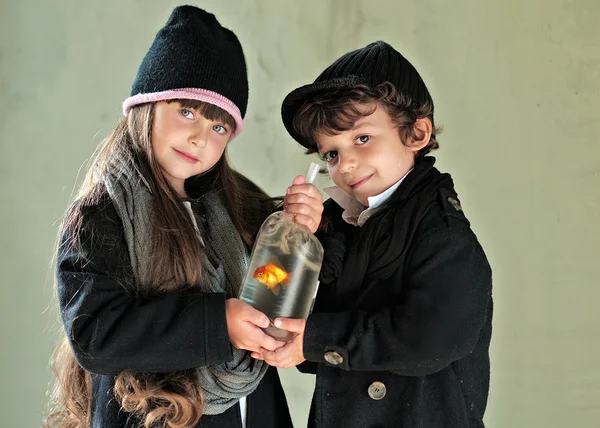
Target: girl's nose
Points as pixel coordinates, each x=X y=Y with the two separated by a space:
x=199 y=138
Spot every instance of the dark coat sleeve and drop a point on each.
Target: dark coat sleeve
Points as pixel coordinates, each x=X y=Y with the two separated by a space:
x=307 y=367
x=435 y=320
x=110 y=329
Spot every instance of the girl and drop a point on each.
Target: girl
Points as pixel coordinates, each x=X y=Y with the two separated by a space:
x=155 y=246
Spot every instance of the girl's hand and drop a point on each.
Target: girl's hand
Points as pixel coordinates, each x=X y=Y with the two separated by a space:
x=244 y=324
x=292 y=353
x=305 y=202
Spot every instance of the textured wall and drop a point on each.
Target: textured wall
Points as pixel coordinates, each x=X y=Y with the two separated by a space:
x=517 y=88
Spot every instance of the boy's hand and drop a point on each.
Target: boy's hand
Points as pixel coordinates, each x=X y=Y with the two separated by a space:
x=244 y=325
x=305 y=202
x=292 y=353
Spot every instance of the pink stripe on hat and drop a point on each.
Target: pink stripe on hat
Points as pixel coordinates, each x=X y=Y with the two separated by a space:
x=189 y=94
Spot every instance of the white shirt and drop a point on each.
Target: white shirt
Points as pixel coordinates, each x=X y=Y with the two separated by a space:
x=356 y=213
x=243 y=400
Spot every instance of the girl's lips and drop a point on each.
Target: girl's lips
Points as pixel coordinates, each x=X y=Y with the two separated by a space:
x=186 y=157
x=360 y=181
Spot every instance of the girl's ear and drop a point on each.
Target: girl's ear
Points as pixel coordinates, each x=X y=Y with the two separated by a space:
x=422 y=130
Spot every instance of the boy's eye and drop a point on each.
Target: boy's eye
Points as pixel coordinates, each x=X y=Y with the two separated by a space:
x=329 y=156
x=220 y=129
x=187 y=113
x=362 y=139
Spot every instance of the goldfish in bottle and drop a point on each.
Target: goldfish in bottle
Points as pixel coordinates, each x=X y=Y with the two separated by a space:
x=272 y=276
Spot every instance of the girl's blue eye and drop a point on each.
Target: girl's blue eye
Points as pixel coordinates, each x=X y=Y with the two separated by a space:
x=220 y=129
x=187 y=113
x=363 y=139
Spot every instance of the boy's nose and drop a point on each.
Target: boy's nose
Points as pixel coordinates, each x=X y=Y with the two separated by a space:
x=347 y=163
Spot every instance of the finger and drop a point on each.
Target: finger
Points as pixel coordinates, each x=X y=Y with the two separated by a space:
x=268 y=343
x=256 y=356
x=307 y=189
x=256 y=317
x=299 y=179
x=268 y=356
x=302 y=209
x=280 y=359
x=287 y=364
x=255 y=338
x=304 y=198
x=307 y=221
x=295 y=325
x=251 y=340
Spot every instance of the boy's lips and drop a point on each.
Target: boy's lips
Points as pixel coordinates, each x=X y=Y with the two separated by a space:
x=358 y=182
x=187 y=157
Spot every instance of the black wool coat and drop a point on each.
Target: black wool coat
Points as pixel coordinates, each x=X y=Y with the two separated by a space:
x=111 y=330
x=401 y=327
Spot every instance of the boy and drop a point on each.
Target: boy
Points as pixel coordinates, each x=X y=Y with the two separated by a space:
x=400 y=332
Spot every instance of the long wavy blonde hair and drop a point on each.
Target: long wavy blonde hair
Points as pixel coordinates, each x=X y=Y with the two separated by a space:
x=174 y=399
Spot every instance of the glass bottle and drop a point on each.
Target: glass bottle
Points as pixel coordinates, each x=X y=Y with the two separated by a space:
x=283 y=272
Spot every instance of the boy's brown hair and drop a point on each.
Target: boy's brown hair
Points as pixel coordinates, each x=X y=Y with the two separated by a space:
x=352 y=87
x=337 y=110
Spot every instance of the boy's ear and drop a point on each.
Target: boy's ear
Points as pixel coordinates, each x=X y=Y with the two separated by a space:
x=422 y=128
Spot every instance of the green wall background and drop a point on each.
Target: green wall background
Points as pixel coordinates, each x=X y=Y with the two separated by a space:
x=517 y=89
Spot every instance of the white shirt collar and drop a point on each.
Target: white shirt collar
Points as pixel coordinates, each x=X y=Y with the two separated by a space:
x=354 y=212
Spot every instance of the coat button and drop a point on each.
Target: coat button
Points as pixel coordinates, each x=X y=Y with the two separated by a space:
x=377 y=390
x=455 y=204
x=333 y=358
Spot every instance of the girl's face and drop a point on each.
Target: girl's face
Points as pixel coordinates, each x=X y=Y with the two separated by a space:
x=185 y=143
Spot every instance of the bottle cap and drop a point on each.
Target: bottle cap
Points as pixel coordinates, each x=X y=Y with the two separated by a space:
x=313 y=170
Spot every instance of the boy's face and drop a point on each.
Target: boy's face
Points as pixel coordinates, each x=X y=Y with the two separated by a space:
x=369 y=158
x=185 y=143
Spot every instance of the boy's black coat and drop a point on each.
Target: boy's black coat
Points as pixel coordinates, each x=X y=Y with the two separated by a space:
x=404 y=300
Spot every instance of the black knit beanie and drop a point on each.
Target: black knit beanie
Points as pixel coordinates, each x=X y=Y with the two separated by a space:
x=194 y=57
x=372 y=65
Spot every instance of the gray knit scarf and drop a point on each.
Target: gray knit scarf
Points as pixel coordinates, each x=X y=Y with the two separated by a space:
x=223 y=267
